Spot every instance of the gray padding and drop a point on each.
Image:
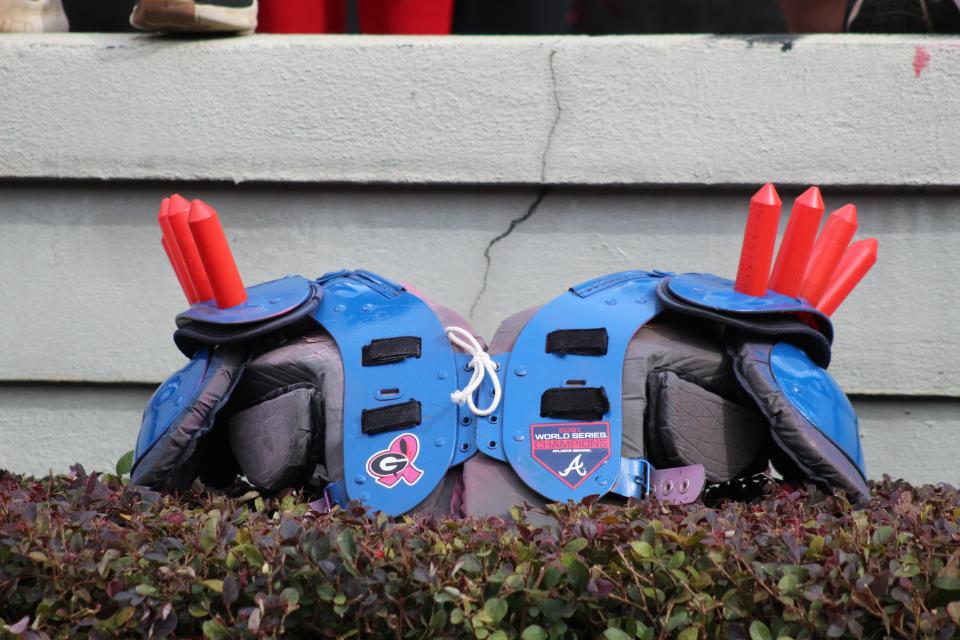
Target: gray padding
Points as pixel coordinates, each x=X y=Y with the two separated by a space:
x=690 y=350
x=695 y=426
x=309 y=359
x=272 y=440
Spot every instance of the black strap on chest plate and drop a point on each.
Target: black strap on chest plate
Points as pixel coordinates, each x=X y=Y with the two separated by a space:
x=580 y=342
x=390 y=350
x=574 y=403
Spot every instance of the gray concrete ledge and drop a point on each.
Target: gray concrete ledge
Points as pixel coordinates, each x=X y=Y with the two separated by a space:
x=50 y=427
x=856 y=110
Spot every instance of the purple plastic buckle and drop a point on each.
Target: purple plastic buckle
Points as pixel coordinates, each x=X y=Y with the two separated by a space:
x=678 y=485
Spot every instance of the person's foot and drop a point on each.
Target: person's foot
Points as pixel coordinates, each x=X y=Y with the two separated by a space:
x=195 y=16
x=32 y=16
x=903 y=16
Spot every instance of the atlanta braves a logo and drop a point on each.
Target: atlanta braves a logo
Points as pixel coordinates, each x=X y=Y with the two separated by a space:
x=395 y=463
x=575 y=466
x=571 y=451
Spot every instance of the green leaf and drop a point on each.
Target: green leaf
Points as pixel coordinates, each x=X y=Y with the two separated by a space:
x=947 y=583
x=759 y=631
x=642 y=549
x=953 y=610
x=690 y=633
x=251 y=553
x=468 y=563
x=214 y=630
x=347 y=545
x=125 y=464
x=577 y=575
x=676 y=560
x=213 y=585
x=787 y=584
x=576 y=545
x=882 y=534
x=534 y=632
x=291 y=595
x=496 y=608
x=146 y=589
x=38 y=556
x=208 y=534
x=612 y=633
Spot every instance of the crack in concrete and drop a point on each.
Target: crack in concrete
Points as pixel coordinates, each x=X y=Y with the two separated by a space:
x=516 y=222
x=558 y=110
x=541 y=192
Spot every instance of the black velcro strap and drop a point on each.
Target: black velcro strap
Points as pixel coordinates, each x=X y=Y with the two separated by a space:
x=574 y=403
x=395 y=416
x=390 y=350
x=579 y=342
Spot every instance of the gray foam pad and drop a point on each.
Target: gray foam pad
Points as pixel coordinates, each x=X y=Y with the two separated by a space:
x=695 y=426
x=272 y=440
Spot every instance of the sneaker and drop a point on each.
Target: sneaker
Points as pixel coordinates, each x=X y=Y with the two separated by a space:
x=903 y=16
x=196 y=16
x=32 y=16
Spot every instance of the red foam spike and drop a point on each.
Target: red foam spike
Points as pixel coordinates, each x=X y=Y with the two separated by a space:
x=181 y=277
x=179 y=221
x=854 y=265
x=836 y=235
x=759 y=238
x=797 y=243
x=217 y=258
x=173 y=252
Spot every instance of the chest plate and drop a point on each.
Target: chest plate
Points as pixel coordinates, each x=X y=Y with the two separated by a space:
x=561 y=424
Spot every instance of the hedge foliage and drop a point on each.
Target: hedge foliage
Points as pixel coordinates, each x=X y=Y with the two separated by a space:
x=90 y=555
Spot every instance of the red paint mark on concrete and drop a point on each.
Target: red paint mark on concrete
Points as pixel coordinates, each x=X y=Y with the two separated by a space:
x=921 y=58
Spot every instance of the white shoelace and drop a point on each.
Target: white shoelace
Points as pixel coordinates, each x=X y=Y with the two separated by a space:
x=481 y=364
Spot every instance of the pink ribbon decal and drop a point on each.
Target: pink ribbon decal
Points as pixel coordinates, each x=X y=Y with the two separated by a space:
x=395 y=463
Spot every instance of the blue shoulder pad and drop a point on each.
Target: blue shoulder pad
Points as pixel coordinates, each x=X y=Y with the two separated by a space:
x=714 y=292
x=819 y=398
x=181 y=411
x=714 y=299
x=401 y=430
x=560 y=425
x=812 y=423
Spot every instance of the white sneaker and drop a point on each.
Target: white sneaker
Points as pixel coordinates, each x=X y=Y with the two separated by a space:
x=32 y=16
x=195 y=16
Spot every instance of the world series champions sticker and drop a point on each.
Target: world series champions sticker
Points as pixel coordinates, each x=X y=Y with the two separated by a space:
x=395 y=463
x=571 y=450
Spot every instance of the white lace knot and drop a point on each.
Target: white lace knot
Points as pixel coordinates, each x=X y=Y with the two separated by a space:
x=481 y=364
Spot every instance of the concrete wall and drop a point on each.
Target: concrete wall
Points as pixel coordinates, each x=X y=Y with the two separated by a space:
x=423 y=159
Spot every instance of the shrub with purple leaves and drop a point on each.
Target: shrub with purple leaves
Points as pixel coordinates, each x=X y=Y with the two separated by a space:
x=91 y=556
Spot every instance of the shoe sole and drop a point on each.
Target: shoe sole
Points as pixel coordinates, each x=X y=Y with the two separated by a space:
x=30 y=16
x=184 y=16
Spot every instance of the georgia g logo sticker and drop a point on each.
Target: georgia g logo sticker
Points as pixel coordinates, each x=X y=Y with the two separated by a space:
x=395 y=463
